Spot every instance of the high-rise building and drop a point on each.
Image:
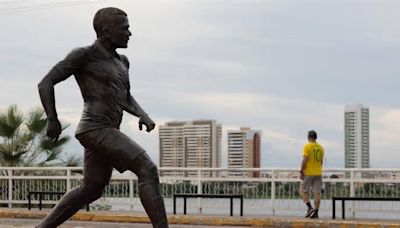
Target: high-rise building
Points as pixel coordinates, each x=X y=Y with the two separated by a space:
x=244 y=151
x=190 y=144
x=356 y=136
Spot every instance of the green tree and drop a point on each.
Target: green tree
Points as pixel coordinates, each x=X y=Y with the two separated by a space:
x=23 y=140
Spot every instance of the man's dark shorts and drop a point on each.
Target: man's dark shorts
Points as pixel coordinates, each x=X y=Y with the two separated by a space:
x=109 y=146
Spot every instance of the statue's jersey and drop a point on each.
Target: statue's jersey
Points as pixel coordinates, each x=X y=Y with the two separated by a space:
x=104 y=82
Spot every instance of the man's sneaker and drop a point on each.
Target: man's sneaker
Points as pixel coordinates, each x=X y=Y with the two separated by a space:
x=309 y=212
x=314 y=214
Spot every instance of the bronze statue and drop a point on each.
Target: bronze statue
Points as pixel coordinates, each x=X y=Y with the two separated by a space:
x=102 y=75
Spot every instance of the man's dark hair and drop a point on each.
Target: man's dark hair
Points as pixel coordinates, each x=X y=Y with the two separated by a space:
x=107 y=17
x=312 y=134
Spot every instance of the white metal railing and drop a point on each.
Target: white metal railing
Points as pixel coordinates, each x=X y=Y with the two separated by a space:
x=275 y=191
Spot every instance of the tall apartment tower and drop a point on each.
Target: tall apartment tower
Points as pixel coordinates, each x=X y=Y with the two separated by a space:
x=244 y=151
x=194 y=144
x=356 y=136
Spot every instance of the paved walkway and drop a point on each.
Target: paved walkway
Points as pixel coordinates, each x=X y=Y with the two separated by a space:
x=125 y=219
x=30 y=223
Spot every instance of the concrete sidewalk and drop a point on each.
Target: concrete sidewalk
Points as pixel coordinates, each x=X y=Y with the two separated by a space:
x=209 y=220
x=31 y=223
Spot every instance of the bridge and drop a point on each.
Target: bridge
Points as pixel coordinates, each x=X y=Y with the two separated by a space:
x=270 y=195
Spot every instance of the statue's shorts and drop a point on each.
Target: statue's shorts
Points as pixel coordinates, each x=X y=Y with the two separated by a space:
x=108 y=148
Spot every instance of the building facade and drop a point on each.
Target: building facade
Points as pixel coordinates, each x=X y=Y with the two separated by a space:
x=244 y=151
x=190 y=144
x=356 y=136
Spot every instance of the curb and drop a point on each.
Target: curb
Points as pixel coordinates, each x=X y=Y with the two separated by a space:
x=209 y=220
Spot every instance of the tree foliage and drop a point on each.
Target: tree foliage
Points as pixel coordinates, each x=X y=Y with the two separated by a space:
x=23 y=140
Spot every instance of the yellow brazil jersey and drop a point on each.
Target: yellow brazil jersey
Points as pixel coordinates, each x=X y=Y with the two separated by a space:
x=315 y=154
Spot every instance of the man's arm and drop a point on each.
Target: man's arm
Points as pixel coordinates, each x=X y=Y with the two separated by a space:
x=303 y=166
x=61 y=71
x=304 y=161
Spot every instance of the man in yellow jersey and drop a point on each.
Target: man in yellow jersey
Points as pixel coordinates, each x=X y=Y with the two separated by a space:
x=311 y=174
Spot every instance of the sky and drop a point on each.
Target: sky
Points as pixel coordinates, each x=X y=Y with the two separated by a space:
x=279 y=66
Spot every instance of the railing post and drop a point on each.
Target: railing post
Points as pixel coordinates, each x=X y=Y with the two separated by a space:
x=68 y=179
x=131 y=192
x=352 y=193
x=199 y=190
x=10 y=187
x=273 y=191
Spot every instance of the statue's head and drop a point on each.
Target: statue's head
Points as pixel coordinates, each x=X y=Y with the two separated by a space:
x=111 y=25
